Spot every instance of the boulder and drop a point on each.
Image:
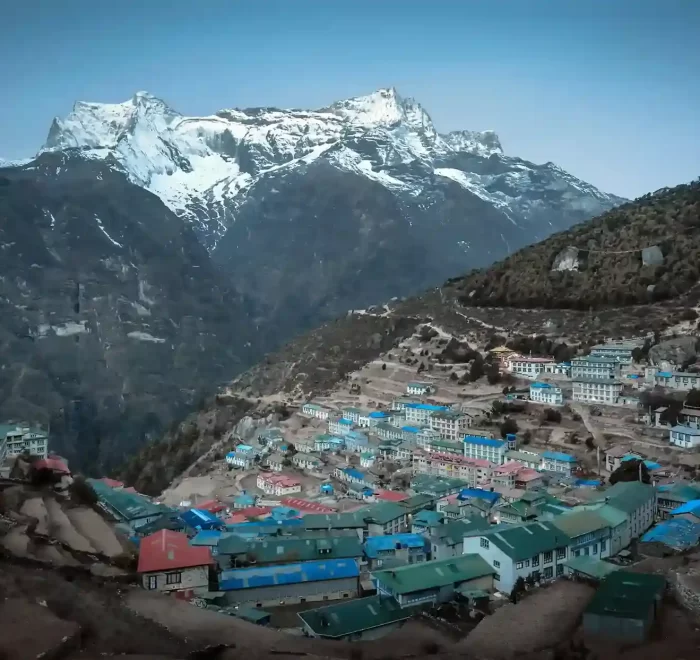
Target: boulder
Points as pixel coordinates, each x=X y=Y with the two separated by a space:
x=567 y=259
x=677 y=350
x=652 y=256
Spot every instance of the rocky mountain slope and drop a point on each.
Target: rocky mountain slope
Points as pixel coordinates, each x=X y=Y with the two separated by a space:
x=312 y=212
x=113 y=319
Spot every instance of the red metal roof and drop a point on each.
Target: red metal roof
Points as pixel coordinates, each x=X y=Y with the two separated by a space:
x=305 y=506
x=254 y=511
x=391 y=496
x=112 y=483
x=54 y=464
x=166 y=550
x=213 y=506
x=235 y=519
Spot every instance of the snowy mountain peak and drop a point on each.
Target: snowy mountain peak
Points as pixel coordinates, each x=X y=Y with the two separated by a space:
x=482 y=143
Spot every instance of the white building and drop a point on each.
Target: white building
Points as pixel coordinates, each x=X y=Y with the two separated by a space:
x=15 y=440
x=546 y=393
x=596 y=390
x=685 y=437
x=339 y=426
x=419 y=389
x=677 y=380
x=426 y=436
x=419 y=413
x=278 y=484
x=617 y=350
x=306 y=461
x=529 y=366
x=275 y=462
x=242 y=456
x=316 y=410
x=450 y=425
x=354 y=414
x=538 y=549
x=595 y=367
x=486 y=448
x=556 y=461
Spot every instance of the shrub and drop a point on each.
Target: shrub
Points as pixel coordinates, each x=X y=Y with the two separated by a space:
x=509 y=425
x=551 y=415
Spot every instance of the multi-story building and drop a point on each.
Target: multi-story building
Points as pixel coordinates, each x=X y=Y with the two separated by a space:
x=689 y=417
x=395 y=550
x=556 y=461
x=504 y=475
x=677 y=380
x=590 y=533
x=546 y=393
x=326 y=442
x=671 y=496
x=449 y=424
x=419 y=389
x=528 y=459
x=685 y=437
x=339 y=426
x=445 y=447
x=316 y=410
x=529 y=366
x=15 y=440
x=385 y=518
x=426 y=436
x=275 y=461
x=278 y=484
x=243 y=456
x=306 y=461
x=353 y=414
x=487 y=448
x=617 y=350
x=388 y=432
x=596 y=390
x=536 y=549
x=475 y=472
x=595 y=367
x=400 y=403
x=356 y=441
x=420 y=413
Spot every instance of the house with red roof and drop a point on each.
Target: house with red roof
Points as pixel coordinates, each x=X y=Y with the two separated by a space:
x=213 y=506
x=305 y=506
x=167 y=562
x=390 y=495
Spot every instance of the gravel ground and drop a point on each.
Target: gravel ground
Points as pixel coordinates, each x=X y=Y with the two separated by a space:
x=93 y=527
x=34 y=508
x=62 y=528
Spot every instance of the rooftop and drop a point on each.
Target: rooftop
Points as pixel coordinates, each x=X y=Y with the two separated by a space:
x=678 y=534
x=427 y=406
x=598 y=381
x=559 y=456
x=348 y=617
x=578 y=523
x=382 y=513
x=352 y=520
x=376 y=544
x=390 y=495
x=524 y=541
x=627 y=496
x=130 y=506
x=627 y=595
x=591 y=566
x=427 y=517
x=592 y=359
x=279 y=480
x=523 y=456
x=433 y=574
x=279 y=550
x=305 y=506
x=693 y=506
x=167 y=550
x=484 y=442
x=479 y=493
x=685 y=429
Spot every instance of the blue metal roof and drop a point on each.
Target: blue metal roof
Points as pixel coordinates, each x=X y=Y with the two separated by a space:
x=426 y=406
x=244 y=448
x=206 y=537
x=355 y=474
x=199 y=519
x=485 y=442
x=664 y=374
x=309 y=571
x=559 y=456
x=592 y=483
x=356 y=436
x=231 y=454
x=676 y=533
x=410 y=429
x=685 y=429
x=540 y=385
x=376 y=544
x=689 y=507
x=345 y=422
x=487 y=495
x=376 y=414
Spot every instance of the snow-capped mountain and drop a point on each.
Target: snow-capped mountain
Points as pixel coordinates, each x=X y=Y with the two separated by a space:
x=204 y=168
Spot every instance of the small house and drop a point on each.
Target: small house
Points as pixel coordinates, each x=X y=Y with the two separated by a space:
x=556 y=461
x=546 y=393
x=316 y=410
x=339 y=426
x=685 y=437
x=394 y=550
x=419 y=389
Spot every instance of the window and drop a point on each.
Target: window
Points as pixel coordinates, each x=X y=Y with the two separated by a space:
x=496 y=577
x=547 y=573
x=519 y=565
x=594 y=551
x=173 y=578
x=484 y=543
x=536 y=561
x=152 y=582
x=561 y=553
x=527 y=562
x=548 y=556
x=602 y=546
x=560 y=570
x=496 y=563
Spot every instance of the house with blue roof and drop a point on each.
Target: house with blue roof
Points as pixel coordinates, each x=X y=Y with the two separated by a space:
x=685 y=437
x=418 y=414
x=546 y=393
x=410 y=433
x=479 y=494
x=556 y=461
x=395 y=550
x=200 y=519
x=354 y=476
x=677 y=380
x=339 y=426
x=243 y=501
x=377 y=417
x=290 y=584
x=489 y=449
x=326 y=489
x=671 y=537
x=243 y=456
x=690 y=509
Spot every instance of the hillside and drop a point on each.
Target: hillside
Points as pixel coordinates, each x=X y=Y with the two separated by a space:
x=644 y=251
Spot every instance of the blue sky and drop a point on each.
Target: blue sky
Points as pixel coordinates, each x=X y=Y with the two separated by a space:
x=607 y=89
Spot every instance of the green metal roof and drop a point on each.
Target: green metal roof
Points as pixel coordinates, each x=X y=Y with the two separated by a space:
x=614 y=516
x=434 y=574
x=384 y=512
x=426 y=517
x=627 y=496
x=523 y=457
x=627 y=595
x=250 y=614
x=417 y=502
x=591 y=566
x=284 y=550
x=580 y=522
x=130 y=506
x=353 y=520
x=232 y=545
x=454 y=532
x=524 y=541
x=681 y=492
x=355 y=616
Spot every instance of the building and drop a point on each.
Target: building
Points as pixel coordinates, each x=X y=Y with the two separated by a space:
x=326 y=442
x=385 y=518
x=556 y=461
x=595 y=367
x=356 y=442
x=167 y=562
x=486 y=448
x=419 y=413
x=685 y=437
x=18 y=439
x=504 y=475
x=536 y=550
x=426 y=436
x=388 y=432
x=278 y=484
x=242 y=456
x=671 y=496
x=447 y=540
x=200 y=519
x=529 y=366
x=449 y=424
x=613 y=457
x=339 y=426
x=356 y=620
x=316 y=410
x=546 y=393
x=277 y=550
x=624 y=607
x=395 y=550
x=596 y=390
x=434 y=582
x=441 y=446
x=502 y=354
x=353 y=414
x=425 y=521
x=122 y=506
x=419 y=389
x=671 y=537
x=527 y=459
x=275 y=462
x=590 y=533
x=617 y=350
x=378 y=417
x=690 y=417
x=326 y=579
x=271 y=437
x=367 y=460
x=327 y=522
x=677 y=380
x=473 y=471
x=437 y=487
x=308 y=462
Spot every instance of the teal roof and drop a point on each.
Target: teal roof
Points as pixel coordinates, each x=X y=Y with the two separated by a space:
x=627 y=496
x=129 y=506
x=627 y=595
x=383 y=512
x=454 y=532
x=433 y=574
x=579 y=523
x=276 y=550
x=355 y=616
x=681 y=492
x=591 y=566
x=524 y=541
x=428 y=518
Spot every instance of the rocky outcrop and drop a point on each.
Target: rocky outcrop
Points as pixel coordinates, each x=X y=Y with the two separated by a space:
x=676 y=351
x=567 y=259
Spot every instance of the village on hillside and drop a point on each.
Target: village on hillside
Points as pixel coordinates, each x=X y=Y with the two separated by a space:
x=418 y=492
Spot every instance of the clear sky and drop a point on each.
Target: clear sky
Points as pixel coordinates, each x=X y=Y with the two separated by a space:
x=607 y=89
